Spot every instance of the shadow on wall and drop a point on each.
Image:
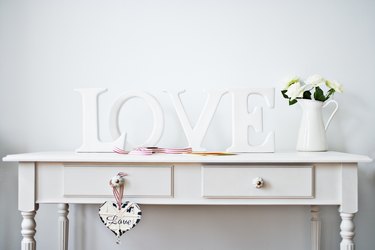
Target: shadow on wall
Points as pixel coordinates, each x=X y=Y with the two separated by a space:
x=205 y=228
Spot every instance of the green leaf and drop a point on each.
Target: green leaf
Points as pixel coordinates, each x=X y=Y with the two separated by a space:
x=330 y=92
x=307 y=95
x=291 y=102
x=319 y=95
x=283 y=92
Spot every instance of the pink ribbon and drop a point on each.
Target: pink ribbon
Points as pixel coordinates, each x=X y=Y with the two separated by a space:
x=118 y=190
x=153 y=150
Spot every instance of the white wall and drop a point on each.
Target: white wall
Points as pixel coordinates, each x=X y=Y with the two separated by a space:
x=50 y=47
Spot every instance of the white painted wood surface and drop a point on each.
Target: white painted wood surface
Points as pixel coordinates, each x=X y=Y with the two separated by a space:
x=324 y=178
x=347 y=231
x=141 y=181
x=220 y=181
x=315 y=228
x=28 y=229
x=242 y=119
x=195 y=134
x=26 y=186
x=284 y=157
x=63 y=211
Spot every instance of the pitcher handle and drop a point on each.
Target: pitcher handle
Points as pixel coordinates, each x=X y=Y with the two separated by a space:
x=333 y=113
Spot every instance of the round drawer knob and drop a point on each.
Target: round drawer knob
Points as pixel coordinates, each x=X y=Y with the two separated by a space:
x=117 y=181
x=258 y=182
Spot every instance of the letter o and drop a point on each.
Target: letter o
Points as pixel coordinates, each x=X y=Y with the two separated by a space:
x=157 y=112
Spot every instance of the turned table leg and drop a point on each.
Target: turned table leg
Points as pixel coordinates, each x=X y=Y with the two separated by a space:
x=347 y=231
x=349 y=205
x=28 y=230
x=315 y=228
x=63 y=211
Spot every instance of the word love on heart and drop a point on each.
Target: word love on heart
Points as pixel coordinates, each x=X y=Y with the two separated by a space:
x=120 y=220
x=117 y=216
x=242 y=119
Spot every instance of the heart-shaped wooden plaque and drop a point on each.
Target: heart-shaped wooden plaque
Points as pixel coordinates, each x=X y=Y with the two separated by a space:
x=119 y=221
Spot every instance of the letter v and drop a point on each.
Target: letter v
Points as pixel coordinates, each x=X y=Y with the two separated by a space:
x=196 y=135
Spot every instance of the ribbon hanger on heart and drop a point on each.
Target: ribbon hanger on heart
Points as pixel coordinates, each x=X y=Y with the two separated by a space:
x=117 y=183
x=119 y=216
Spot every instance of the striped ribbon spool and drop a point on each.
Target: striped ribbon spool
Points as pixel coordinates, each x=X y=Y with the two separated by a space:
x=153 y=150
x=120 y=151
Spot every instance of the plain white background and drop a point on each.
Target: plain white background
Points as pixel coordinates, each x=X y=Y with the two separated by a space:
x=49 y=47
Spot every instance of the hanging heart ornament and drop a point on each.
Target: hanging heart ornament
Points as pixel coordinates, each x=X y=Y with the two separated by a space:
x=119 y=221
x=117 y=216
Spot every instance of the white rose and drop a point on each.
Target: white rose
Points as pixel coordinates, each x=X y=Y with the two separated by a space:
x=315 y=81
x=290 y=81
x=295 y=90
x=335 y=85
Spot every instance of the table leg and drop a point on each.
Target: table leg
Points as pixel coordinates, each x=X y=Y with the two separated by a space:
x=63 y=211
x=315 y=228
x=28 y=230
x=347 y=231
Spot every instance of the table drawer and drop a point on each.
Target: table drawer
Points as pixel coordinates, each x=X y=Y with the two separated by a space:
x=141 y=181
x=237 y=181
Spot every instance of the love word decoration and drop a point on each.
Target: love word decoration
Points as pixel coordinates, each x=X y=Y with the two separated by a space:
x=117 y=216
x=242 y=119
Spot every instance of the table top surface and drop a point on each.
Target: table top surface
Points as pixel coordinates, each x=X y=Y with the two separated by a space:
x=278 y=157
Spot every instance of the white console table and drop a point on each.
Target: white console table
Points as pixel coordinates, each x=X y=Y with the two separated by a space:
x=324 y=178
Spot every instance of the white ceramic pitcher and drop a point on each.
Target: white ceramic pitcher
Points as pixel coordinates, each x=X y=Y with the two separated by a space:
x=312 y=131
